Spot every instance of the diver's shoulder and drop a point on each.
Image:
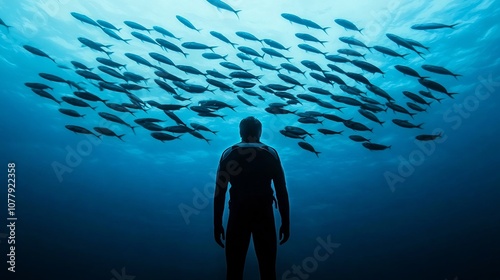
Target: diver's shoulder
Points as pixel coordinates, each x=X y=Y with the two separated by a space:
x=273 y=152
x=227 y=152
x=270 y=149
x=257 y=145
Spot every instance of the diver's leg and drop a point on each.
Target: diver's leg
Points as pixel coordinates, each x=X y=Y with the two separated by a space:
x=237 y=241
x=265 y=243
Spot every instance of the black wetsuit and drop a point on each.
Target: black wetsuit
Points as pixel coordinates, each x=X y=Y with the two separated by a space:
x=250 y=168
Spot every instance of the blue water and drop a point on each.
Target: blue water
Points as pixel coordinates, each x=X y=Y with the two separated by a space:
x=419 y=210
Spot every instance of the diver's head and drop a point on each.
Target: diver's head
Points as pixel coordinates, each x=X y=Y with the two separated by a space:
x=250 y=129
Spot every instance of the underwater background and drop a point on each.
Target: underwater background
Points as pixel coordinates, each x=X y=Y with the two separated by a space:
x=142 y=208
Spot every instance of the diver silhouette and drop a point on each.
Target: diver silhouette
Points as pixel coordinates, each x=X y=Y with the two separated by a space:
x=250 y=166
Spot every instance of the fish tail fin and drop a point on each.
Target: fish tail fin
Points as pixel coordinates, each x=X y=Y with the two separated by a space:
x=370 y=49
x=453 y=25
x=325 y=28
x=199 y=29
x=439 y=99
x=93 y=108
x=133 y=129
x=214 y=132
x=232 y=108
x=120 y=137
x=185 y=54
x=212 y=48
x=310 y=135
x=420 y=125
x=126 y=40
x=224 y=57
x=370 y=129
x=236 y=13
x=118 y=29
x=98 y=136
x=58 y=102
x=359 y=30
x=450 y=94
x=288 y=58
x=234 y=45
x=317 y=154
x=323 y=43
x=363 y=56
x=208 y=141
x=412 y=114
x=420 y=54
x=109 y=53
x=381 y=123
x=52 y=59
x=456 y=75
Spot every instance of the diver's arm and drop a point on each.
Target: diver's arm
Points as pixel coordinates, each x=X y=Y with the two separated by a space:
x=219 y=196
x=219 y=199
x=283 y=204
x=282 y=195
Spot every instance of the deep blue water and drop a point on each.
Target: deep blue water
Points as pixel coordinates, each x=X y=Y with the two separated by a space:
x=87 y=208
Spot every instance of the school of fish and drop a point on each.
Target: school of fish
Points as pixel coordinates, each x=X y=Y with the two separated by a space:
x=296 y=82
